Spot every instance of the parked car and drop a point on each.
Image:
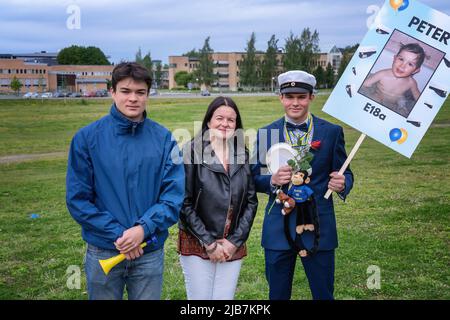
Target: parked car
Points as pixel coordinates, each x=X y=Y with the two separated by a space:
x=58 y=94
x=27 y=95
x=75 y=95
x=88 y=94
x=101 y=93
x=46 y=95
x=205 y=93
x=35 y=95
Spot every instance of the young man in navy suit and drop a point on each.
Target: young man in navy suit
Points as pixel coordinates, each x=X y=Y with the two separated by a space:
x=296 y=95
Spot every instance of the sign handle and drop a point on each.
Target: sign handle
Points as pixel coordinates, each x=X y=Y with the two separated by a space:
x=349 y=158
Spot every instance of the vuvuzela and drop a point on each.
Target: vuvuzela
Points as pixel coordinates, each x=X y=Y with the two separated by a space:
x=110 y=263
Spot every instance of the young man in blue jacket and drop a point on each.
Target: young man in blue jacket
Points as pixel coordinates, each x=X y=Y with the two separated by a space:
x=298 y=124
x=125 y=186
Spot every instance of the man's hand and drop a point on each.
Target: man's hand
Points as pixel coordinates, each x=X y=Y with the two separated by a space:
x=228 y=248
x=282 y=176
x=337 y=182
x=134 y=253
x=130 y=240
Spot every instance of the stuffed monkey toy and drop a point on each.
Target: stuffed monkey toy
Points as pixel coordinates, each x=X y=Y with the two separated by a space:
x=303 y=196
x=299 y=197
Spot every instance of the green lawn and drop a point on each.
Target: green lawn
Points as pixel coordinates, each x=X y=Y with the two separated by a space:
x=396 y=218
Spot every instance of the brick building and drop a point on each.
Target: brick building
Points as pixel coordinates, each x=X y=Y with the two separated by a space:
x=40 y=73
x=227 y=66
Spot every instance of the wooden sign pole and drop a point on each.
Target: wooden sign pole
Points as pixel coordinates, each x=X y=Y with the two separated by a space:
x=347 y=162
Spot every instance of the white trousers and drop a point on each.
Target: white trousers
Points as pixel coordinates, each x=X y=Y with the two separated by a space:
x=206 y=280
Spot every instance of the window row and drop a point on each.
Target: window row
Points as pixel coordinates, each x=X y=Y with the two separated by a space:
x=23 y=71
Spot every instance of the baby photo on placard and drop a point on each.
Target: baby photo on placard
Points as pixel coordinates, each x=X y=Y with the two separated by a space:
x=399 y=77
x=401 y=72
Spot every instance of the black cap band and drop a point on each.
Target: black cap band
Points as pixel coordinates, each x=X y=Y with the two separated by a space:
x=294 y=84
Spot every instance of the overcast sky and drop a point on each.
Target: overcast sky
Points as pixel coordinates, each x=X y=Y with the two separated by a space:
x=173 y=27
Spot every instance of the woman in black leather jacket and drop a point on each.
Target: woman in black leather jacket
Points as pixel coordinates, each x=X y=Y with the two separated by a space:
x=219 y=206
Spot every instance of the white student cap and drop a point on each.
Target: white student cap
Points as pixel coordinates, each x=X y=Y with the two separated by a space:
x=296 y=81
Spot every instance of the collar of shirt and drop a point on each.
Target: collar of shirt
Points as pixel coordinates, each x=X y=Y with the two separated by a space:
x=287 y=119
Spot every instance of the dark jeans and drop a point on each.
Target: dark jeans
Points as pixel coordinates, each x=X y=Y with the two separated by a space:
x=319 y=269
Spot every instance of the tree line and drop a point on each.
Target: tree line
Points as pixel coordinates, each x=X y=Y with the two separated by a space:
x=259 y=69
x=155 y=70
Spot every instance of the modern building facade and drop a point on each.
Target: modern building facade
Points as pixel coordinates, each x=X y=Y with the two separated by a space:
x=79 y=78
x=37 y=76
x=333 y=57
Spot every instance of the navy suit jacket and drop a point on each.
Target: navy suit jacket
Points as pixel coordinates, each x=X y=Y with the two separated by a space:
x=328 y=158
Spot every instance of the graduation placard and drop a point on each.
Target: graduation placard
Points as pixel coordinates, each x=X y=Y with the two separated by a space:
x=399 y=77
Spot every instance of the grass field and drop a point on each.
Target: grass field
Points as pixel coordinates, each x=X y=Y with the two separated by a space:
x=396 y=217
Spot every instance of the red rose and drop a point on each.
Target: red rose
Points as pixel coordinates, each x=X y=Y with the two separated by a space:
x=315 y=144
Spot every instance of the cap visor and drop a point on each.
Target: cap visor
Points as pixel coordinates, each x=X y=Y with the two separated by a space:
x=294 y=90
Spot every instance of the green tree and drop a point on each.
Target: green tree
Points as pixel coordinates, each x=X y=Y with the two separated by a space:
x=192 y=54
x=16 y=85
x=309 y=47
x=205 y=70
x=292 y=56
x=344 y=62
x=158 y=74
x=269 y=67
x=182 y=78
x=319 y=73
x=94 y=56
x=79 y=55
x=301 y=51
x=347 y=54
x=138 y=56
x=329 y=76
x=249 y=65
x=147 y=63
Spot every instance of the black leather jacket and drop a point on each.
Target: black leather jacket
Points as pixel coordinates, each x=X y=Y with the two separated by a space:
x=210 y=191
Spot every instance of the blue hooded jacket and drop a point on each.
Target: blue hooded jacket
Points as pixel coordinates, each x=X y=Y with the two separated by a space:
x=120 y=174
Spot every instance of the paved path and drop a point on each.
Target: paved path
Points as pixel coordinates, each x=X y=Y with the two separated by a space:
x=27 y=157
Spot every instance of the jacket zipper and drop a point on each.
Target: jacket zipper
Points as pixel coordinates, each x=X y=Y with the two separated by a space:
x=229 y=206
x=231 y=193
x=195 y=235
x=195 y=209
x=198 y=198
x=240 y=208
x=133 y=128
